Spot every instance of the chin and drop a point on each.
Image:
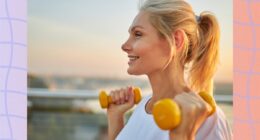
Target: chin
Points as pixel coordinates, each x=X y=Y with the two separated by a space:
x=133 y=72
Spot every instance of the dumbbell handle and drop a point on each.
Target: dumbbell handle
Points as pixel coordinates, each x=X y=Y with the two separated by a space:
x=167 y=113
x=109 y=99
x=105 y=99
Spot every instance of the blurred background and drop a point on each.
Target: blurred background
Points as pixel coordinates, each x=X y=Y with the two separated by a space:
x=74 y=51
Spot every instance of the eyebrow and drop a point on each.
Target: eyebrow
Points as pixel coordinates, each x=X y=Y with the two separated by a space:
x=132 y=28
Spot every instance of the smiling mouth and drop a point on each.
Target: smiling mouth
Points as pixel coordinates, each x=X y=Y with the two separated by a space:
x=133 y=58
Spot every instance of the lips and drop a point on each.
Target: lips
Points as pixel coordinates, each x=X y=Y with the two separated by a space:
x=132 y=58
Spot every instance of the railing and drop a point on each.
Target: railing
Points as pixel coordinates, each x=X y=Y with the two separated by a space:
x=64 y=94
x=91 y=94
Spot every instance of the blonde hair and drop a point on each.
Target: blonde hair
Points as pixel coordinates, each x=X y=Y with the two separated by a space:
x=201 y=38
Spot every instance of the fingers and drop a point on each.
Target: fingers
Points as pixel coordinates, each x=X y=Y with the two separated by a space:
x=130 y=95
x=192 y=104
x=121 y=96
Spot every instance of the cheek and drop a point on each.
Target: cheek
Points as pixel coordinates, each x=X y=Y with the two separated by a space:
x=153 y=61
x=153 y=55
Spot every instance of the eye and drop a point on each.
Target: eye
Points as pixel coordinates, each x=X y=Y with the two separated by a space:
x=137 y=34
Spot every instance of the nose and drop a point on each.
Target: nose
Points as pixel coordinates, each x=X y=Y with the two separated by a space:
x=126 y=47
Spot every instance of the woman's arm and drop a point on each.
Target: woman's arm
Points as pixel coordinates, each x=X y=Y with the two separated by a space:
x=183 y=136
x=115 y=125
x=123 y=100
x=194 y=112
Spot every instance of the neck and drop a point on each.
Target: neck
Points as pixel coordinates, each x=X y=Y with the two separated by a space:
x=166 y=84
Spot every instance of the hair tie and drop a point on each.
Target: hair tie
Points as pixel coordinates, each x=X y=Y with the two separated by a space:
x=197 y=18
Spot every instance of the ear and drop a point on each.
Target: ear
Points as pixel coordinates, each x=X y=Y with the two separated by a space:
x=179 y=39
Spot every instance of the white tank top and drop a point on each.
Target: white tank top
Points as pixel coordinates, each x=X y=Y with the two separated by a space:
x=141 y=126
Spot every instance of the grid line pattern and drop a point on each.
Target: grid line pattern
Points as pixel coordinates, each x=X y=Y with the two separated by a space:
x=246 y=70
x=13 y=70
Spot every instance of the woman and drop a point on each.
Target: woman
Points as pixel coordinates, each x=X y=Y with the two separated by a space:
x=166 y=40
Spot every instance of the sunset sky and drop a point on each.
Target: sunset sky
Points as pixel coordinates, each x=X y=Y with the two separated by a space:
x=83 y=37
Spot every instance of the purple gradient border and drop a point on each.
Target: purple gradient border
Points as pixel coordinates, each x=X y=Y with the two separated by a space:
x=13 y=69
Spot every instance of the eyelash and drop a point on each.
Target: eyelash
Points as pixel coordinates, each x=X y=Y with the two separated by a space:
x=137 y=34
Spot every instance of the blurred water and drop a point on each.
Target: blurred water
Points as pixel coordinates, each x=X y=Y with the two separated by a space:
x=76 y=124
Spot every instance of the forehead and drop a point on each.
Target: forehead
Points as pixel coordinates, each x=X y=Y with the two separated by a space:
x=141 y=20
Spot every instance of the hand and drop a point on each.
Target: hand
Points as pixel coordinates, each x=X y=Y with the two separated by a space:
x=194 y=112
x=123 y=100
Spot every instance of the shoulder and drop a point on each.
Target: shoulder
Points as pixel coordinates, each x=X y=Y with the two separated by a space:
x=223 y=127
x=216 y=127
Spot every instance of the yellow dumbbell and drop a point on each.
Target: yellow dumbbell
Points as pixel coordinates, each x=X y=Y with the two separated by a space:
x=167 y=113
x=105 y=99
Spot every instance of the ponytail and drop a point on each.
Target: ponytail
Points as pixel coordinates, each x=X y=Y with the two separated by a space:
x=206 y=56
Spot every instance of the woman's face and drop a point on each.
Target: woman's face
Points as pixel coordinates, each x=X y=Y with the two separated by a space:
x=148 y=52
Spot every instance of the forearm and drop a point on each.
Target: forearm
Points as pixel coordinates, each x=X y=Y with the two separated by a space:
x=115 y=125
x=174 y=136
